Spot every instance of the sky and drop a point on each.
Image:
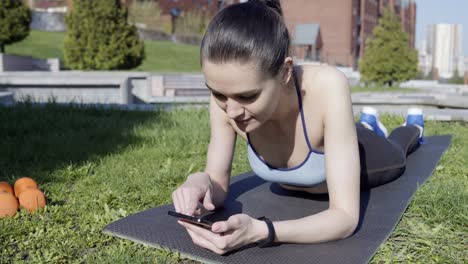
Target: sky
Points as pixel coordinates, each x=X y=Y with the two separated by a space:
x=438 y=12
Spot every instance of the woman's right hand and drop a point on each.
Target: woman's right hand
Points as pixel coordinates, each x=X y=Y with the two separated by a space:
x=196 y=189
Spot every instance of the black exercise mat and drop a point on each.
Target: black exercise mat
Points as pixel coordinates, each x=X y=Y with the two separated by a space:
x=381 y=210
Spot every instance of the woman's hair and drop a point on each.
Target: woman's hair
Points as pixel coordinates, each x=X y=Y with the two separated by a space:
x=248 y=32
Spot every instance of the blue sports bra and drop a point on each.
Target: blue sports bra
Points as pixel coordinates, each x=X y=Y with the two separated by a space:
x=309 y=173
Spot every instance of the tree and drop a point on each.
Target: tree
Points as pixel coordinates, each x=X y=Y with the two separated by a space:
x=430 y=75
x=14 y=22
x=388 y=57
x=99 y=37
x=456 y=78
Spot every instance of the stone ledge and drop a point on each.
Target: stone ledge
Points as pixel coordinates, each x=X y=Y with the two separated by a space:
x=429 y=113
x=419 y=99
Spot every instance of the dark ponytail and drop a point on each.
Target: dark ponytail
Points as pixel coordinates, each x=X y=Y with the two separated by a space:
x=248 y=32
x=273 y=4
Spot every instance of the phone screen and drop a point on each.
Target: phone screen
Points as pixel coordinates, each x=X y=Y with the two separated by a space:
x=192 y=219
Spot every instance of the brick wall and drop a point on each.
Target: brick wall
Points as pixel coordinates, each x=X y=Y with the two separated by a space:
x=210 y=7
x=334 y=17
x=370 y=12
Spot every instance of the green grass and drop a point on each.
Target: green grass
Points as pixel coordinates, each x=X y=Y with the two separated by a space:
x=161 y=56
x=39 y=44
x=97 y=166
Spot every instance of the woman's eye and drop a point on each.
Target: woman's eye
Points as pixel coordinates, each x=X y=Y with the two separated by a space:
x=219 y=96
x=248 y=98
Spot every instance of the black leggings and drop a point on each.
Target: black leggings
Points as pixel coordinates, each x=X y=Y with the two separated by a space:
x=384 y=159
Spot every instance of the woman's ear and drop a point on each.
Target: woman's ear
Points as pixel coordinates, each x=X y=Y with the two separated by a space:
x=287 y=70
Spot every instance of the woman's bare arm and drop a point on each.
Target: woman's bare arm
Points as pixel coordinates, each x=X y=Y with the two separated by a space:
x=342 y=168
x=220 y=152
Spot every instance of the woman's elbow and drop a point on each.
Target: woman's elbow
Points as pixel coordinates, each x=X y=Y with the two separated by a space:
x=351 y=225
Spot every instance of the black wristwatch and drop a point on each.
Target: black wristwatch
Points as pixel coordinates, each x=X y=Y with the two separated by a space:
x=271 y=234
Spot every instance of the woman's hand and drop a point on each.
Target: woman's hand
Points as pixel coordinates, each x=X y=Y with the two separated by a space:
x=239 y=230
x=197 y=188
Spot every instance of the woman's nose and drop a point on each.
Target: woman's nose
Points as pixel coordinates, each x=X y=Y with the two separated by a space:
x=233 y=109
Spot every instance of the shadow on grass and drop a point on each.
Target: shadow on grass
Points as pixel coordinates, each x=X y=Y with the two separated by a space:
x=35 y=141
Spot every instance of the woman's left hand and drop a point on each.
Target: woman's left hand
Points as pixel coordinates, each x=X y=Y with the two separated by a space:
x=239 y=230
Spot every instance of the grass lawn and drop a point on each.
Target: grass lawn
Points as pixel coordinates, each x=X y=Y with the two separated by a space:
x=97 y=166
x=161 y=56
x=39 y=44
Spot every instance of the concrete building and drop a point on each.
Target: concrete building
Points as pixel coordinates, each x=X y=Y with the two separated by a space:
x=445 y=49
x=466 y=70
x=424 y=60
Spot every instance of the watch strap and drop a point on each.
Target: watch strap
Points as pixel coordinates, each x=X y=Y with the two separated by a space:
x=271 y=233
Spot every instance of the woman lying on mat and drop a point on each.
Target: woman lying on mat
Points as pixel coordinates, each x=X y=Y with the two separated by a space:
x=299 y=128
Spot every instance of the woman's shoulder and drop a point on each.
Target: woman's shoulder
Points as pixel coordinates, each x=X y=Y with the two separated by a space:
x=322 y=82
x=318 y=76
x=322 y=85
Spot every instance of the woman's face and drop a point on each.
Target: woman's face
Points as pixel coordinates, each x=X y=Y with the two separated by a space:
x=242 y=92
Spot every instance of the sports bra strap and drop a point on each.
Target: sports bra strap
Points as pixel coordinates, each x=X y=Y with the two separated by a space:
x=299 y=97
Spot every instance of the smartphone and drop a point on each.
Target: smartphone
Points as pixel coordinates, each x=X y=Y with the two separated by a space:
x=199 y=221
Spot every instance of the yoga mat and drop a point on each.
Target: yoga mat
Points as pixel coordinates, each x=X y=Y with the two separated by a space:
x=381 y=210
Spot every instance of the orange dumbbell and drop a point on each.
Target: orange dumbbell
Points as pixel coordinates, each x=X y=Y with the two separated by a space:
x=29 y=195
x=8 y=202
x=6 y=187
x=24 y=183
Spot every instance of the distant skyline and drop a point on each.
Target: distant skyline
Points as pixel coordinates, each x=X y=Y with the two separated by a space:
x=441 y=12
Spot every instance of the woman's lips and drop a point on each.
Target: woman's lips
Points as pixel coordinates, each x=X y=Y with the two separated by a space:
x=244 y=121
